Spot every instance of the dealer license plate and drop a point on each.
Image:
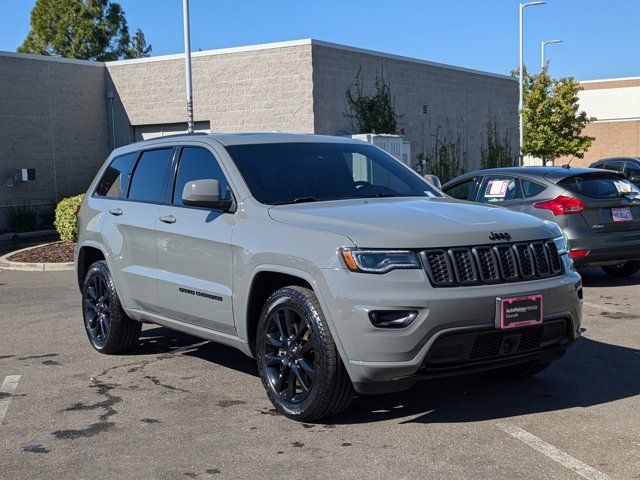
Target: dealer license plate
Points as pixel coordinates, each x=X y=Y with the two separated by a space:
x=621 y=214
x=512 y=312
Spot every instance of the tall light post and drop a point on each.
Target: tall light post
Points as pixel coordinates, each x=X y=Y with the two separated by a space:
x=543 y=45
x=187 y=64
x=521 y=77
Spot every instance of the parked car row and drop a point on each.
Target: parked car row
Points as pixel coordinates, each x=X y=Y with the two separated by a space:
x=598 y=209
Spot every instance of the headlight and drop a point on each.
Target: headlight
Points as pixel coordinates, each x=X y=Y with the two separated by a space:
x=378 y=261
x=562 y=244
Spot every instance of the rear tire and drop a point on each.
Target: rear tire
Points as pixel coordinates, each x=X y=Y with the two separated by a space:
x=524 y=370
x=108 y=327
x=623 y=269
x=299 y=365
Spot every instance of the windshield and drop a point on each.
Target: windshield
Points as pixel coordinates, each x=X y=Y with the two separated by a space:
x=279 y=173
x=600 y=185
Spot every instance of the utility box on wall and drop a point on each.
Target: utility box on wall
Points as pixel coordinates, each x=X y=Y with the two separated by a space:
x=394 y=145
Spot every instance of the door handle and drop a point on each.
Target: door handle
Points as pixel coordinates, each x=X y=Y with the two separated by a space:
x=116 y=211
x=168 y=219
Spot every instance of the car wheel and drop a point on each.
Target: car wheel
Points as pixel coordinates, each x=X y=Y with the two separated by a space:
x=108 y=327
x=625 y=269
x=521 y=371
x=298 y=362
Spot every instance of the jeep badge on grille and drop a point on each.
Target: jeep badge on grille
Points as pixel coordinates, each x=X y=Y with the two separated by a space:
x=499 y=236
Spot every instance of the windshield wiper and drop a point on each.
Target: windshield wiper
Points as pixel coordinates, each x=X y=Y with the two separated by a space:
x=304 y=200
x=383 y=195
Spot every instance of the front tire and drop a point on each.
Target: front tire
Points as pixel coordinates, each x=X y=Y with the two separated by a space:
x=298 y=362
x=626 y=269
x=108 y=327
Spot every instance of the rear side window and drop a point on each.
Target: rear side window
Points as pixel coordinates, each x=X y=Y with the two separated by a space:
x=498 y=189
x=198 y=164
x=633 y=171
x=113 y=183
x=150 y=176
x=462 y=190
x=598 y=185
x=531 y=189
x=617 y=166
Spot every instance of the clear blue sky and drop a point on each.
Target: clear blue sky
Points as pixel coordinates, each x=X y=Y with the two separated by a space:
x=601 y=37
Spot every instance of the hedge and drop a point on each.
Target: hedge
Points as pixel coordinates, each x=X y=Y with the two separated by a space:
x=66 y=222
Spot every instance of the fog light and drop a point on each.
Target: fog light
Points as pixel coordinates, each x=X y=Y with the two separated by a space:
x=392 y=318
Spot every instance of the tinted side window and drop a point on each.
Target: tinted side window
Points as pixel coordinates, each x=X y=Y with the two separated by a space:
x=498 y=189
x=632 y=170
x=150 y=175
x=113 y=183
x=462 y=190
x=617 y=166
x=531 y=189
x=198 y=164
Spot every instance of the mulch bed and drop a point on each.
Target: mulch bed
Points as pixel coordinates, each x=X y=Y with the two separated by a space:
x=55 y=253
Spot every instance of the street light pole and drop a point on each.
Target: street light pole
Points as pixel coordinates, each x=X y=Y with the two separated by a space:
x=521 y=78
x=543 y=44
x=187 y=64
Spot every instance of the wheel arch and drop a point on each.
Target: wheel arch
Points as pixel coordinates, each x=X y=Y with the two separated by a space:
x=87 y=255
x=266 y=280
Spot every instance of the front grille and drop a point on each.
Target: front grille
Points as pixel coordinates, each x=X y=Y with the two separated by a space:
x=507 y=262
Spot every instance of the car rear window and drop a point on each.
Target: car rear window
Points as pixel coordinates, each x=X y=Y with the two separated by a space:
x=114 y=180
x=149 y=176
x=598 y=185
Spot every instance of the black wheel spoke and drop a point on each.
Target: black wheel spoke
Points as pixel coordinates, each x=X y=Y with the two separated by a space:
x=281 y=325
x=307 y=347
x=288 y=321
x=303 y=327
x=291 y=385
x=273 y=359
x=281 y=377
x=307 y=368
x=273 y=341
x=304 y=384
x=91 y=292
x=90 y=305
x=104 y=324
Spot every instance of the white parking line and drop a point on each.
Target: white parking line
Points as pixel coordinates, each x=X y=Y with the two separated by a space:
x=553 y=453
x=7 y=390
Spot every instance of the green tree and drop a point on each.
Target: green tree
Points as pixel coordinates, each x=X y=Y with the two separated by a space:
x=371 y=113
x=138 y=47
x=85 y=29
x=552 y=119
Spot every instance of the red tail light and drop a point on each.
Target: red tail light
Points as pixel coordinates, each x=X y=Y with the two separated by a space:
x=561 y=205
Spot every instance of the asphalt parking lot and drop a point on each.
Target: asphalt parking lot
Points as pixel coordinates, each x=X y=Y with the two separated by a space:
x=179 y=407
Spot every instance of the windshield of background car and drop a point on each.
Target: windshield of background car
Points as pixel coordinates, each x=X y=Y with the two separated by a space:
x=599 y=185
x=279 y=173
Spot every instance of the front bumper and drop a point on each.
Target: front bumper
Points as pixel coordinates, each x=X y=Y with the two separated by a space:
x=376 y=356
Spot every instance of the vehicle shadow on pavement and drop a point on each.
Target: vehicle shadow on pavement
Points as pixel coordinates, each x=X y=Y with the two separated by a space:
x=156 y=340
x=591 y=373
x=594 y=277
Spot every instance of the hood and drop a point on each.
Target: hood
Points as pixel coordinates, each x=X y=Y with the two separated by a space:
x=416 y=222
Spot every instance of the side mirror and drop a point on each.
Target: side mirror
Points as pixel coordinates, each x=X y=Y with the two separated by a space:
x=205 y=194
x=433 y=180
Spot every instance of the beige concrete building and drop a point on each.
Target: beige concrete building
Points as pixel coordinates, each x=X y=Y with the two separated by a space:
x=62 y=117
x=615 y=104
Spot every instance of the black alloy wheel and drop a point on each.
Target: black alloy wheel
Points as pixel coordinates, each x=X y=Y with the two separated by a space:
x=96 y=309
x=289 y=354
x=108 y=327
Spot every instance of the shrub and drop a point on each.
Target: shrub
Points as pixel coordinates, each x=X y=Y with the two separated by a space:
x=496 y=152
x=22 y=218
x=66 y=222
x=371 y=113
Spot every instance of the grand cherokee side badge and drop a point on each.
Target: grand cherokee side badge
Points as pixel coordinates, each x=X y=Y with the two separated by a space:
x=499 y=236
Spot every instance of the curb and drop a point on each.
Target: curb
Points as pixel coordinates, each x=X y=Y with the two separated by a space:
x=6 y=264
